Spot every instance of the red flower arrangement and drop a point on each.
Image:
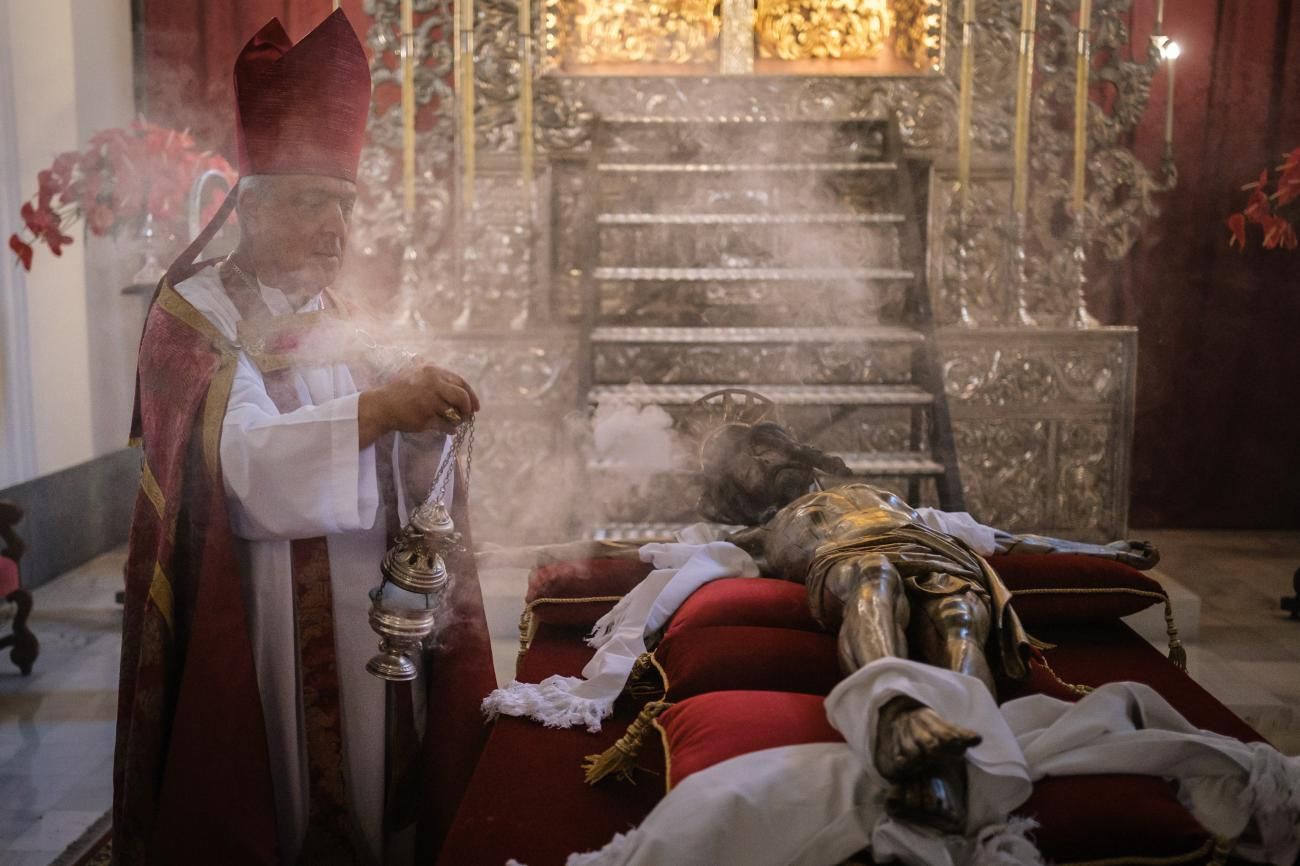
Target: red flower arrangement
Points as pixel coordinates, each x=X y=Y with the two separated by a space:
x=122 y=176
x=1277 y=213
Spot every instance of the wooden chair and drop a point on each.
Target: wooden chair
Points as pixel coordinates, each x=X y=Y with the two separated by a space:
x=24 y=643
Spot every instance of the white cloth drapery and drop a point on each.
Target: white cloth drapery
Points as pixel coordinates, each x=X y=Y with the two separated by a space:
x=620 y=636
x=816 y=805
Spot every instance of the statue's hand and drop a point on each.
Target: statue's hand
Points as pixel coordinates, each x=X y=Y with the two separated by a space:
x=1141 y=555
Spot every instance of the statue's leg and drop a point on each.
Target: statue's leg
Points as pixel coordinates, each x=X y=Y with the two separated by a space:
x=1138 y=554
x=865 y=598
x=950 y=631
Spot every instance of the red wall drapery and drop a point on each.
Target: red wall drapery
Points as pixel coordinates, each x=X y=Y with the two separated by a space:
x=1217 y=438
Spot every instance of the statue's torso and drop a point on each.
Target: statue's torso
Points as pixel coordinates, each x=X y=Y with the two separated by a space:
x=846 y=513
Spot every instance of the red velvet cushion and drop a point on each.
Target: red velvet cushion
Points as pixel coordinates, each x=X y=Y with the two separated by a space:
x=753 y=601
x=1061 y=589
x=1111 y=651
x=527 y=798
x=581 y=592
x=729 y=657
x=8 y=576
x=708 y=729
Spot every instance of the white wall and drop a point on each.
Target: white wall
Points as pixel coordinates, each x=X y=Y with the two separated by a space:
x=70 y=73
x=105 y=98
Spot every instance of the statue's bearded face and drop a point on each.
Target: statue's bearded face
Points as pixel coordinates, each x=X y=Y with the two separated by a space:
x=749 y=473
x=298 y=226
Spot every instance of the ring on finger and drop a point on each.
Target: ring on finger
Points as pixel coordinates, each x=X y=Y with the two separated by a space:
x=452 y=415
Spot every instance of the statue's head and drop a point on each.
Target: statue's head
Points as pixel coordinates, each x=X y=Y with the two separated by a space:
x=751 y=471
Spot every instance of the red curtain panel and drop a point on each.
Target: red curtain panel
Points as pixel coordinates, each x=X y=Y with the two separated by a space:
x=1217 y=439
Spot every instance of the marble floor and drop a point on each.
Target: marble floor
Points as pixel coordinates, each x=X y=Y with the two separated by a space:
x=56 y=726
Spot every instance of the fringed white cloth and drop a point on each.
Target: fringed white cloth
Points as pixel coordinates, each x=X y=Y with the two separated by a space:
x=817 y=805
x=620 y=636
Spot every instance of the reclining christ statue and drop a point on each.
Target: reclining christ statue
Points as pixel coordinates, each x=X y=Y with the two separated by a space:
x=889 y=584
x=891 y=580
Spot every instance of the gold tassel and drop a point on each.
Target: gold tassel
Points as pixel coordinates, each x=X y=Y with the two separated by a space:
x=527 y=631
x=1177 y=654
x=641 y=686
x=620 y=758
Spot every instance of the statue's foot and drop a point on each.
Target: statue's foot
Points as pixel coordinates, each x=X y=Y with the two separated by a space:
x=1138 y=554
x=912 y=738
x=936 y=800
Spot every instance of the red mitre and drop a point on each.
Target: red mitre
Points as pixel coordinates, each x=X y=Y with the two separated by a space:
x=302 y=109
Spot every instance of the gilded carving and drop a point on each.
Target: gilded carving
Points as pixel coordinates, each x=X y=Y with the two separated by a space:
x=917 y=27
x=838 y=29
x=660 y=31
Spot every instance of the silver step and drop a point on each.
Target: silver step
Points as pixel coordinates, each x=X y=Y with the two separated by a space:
x=877 y=334
x=785 y=395
x=714 y=275
x=892 y=464
x=868 y=463
x=748 y=219
x=736 y=167
x=647 y=532
x=731 y=119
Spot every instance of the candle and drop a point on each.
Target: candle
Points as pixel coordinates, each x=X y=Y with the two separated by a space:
x=1160 y=17
x=1024 y=84
x=526 y=94
x=408 y=107
x=1171 y=52
x=467 y=132
x=1083 y=67
x=965 y=102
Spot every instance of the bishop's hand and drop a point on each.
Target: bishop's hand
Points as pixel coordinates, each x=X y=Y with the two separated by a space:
x=420 y=399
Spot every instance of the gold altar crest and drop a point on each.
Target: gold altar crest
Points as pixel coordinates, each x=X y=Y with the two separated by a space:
x=818 y=29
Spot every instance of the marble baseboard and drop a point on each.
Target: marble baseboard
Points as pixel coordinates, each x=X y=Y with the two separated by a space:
x=74 y=515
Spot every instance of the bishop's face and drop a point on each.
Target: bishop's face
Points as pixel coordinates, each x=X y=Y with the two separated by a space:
x=297 y=225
